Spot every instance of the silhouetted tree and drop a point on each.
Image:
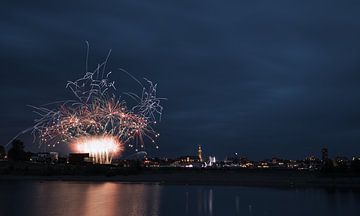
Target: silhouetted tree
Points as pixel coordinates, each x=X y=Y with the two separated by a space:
x=2 y=152
x=16 y=152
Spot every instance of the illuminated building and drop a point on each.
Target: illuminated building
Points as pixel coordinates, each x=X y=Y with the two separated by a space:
x=45 y=157
x=310 y=158
x=341 y=162
x=200 y=154
x=212 y=160
x=187 y=161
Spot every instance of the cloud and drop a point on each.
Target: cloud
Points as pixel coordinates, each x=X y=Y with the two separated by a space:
x=260 y=76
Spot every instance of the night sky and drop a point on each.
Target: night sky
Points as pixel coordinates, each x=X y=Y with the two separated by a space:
x=261 y=78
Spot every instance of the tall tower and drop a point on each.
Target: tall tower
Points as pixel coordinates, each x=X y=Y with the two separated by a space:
x=324 y=154
x=200 y=153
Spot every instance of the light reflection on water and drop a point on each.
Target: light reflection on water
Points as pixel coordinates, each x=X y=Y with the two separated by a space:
x=90 y=199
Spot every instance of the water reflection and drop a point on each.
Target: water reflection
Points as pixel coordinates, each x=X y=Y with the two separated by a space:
x=90 y=199
x=62 y=198
x=218 y=200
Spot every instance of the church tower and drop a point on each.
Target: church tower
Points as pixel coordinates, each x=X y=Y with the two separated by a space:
x=200 y=154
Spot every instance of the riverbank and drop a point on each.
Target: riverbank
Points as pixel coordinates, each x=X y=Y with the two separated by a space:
x=258 y=178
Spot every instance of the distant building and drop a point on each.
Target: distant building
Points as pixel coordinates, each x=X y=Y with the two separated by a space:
x=212 y=160
x=327 y=163
x=310 y=158
x=45 y=157
x=187 y=161
x=200 y=154
x=79 y=158
x=324 y=155
x=356 y=158
x=341 y=162
x=312 y=163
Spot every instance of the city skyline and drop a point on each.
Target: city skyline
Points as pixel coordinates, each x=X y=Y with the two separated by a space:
x=197 y=151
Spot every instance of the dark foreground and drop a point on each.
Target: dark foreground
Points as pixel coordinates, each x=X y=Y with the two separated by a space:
x=230 y=177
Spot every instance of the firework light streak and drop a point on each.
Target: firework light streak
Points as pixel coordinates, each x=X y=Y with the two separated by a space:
x=101 y=148
x=97 y=121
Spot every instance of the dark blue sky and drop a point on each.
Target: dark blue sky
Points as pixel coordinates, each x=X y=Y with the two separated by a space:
x=261 y=78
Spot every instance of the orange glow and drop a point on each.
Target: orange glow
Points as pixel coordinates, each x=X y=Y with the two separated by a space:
x=100 y=148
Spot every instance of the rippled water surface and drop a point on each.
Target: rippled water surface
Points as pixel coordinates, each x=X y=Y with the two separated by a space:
x=90 y=199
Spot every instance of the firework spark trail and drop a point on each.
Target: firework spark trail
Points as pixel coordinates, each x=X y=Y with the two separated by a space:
x=96 y=111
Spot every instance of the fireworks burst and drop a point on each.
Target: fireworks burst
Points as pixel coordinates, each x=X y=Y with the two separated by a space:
x=96 y=121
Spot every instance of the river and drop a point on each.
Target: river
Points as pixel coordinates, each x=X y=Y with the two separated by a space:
x=109 y=198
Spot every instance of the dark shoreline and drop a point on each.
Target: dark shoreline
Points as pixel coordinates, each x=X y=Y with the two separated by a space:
x=180 y=176
x=286 y=179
